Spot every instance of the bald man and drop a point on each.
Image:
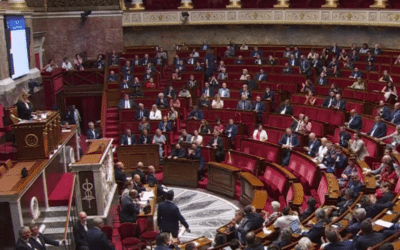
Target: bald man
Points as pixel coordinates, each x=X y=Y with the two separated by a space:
x=137 y=185
x=313 y=145
x=119 y=172
x=355 y=121
x=139 y=171
x=80 y=230
x=129 y=207
x=152 y=180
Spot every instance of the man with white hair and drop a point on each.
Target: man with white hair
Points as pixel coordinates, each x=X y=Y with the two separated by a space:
x=313 y=145
x=96 y=238
x=161 y=101
x=23 y=240
x=355 y=223
x=305 y=243
x=80 y=230
x=244 y=104
x=275 y=205
x=92 y=134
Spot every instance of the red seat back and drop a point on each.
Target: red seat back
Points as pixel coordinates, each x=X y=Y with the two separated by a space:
x=322 y=189
x=127 y=230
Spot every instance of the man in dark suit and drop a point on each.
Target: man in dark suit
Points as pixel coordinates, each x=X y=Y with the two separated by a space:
x=355 y=121
x=387 y=195
x=256 y=52
x=137 y=184
x=258 y=60
x=129 y=207
x=343 y=205
x=355 y=223
x=39 y=240
x=169 y=216
x=229 y=52
x=80 y=230
x=269 y=96
x=112 y=77
x=339 y=161
x=287 y=69
x=261 y=76
x=394 y=117
x=141 y=112
x=181 y=66
x=295 y=126
x=383 y=110
x=207 y=90
x=196 y=114
x=329 y=101
x=378 y=130
x=127 y=103
x=313 y=145
x=128 y=138
x=152 y=180
x=317 y=63
x=191 y=60
x=293 y=62
x=23 y=242
x=305 y=67
x=296 y=52
x=335 y=49
x=158 y=60
x=144 y=138
x=125 y=85
x=340 y=103
x=148 y=74
x=316 y=231
x=194 y=153
x=369 y=237
x=251 y=243
x=251 y=221
x=335 y=241
x=24 y=107
x=92 y=134
x=119 y=172
x=177 y=152
x=162 y=101
x=217 y=144
x=344 y=137
x=96 y=238
x=285 y=108
x=136 y=61
x=231 y=130
x=139 y=171
x=258 y=107
x=163 y=242
x=288 y=142
x=165 y=126
x=127 y=69
x=205 y=46
x=239 y=60
x=245 y=91
x=244 y=104
x=322 y=79
x=356 y=73
x=170 y=91
x=145 y=60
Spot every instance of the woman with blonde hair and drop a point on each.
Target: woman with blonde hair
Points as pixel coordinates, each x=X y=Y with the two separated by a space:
x=217 y=102
x=24 y=107
x=245 y=76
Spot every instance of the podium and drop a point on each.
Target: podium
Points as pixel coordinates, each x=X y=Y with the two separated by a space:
x=222 y=179
x=95 y=184
x=181 y=172
x=38 y=137
x=131 y=155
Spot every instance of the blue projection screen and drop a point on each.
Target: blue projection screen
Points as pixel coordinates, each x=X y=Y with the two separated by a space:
x=17 y=44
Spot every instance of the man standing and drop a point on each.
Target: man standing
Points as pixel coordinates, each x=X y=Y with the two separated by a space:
x=288 y=142
x=96 y=238
x=39 y=240
x=80 y=230
x=23 y=242
x=129 y=208
x=169 y=216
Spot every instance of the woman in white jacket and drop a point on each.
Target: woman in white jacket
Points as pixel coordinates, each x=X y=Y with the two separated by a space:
x=260 y=134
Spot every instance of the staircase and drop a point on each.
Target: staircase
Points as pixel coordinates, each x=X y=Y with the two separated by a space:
x=112 y=128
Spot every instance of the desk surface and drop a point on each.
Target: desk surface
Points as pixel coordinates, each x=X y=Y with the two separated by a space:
x=94 y=152
x=12 y=184
x=253 y=180
x=152 y=203
x=201 y=243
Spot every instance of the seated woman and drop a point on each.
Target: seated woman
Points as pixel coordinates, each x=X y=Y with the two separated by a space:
x=260 y=134
x=78 y=62
x=219 y=127
x=197 y=138
x=358 y=85
x=221 y=66
x=176 y=75
x=343 y=55
x=203 y=102
x=185 y=93
x=204 y=127
x=312 y=55
x=245 y=75
x=51 y=65
x=144 y=124
x=388 y=174
x=310 y=98
x=347 y=173
x=305 y=126
x=307 y=85
x=389 y=90
x=322 y=151
x=155 y=113
x=172 y=114
x=174 y=102
x=150 y=84
x=270 y=218
x=386 y=77
x=244 y=46
x=335 y=72
x=217 y=102
x=271 y=60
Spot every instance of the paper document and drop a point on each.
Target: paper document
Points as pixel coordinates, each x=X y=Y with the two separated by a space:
x=147 y=195
x=383 y=223
x=266 y=230
x=321 y=166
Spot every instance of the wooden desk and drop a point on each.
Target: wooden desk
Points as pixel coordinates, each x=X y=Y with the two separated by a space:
x=37 y=138
x=249 y=184
x=181 y=172
x=202 y=243
x=298 y=194
x=150 y=216
x=369 y=180
x=222 y=179
x=333 y=189
x=131 y=155
x=225 y=230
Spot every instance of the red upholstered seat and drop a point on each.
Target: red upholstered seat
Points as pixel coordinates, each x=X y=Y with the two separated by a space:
x=268 y=151
x=128 y=236
x=108 y=230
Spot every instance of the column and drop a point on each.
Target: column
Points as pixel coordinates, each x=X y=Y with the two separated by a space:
x=382 y=4
x=19 y=5
x=136 y=5
x=331 y=4
x=186 y=5
x=234 y=4
x=282 y=4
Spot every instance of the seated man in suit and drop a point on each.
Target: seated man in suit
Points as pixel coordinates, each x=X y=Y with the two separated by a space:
x=288 y=142
x=239 y=60
x=355 y=223
x=285 y=108
x=347 y=200
x=177 y=152
x=144 y=138
x=287 y=69
x=141 y=112
x=196 y=114
x=145 y=60
x=335 y=240
x=39 y=240
x=355 y=121
x=24 y=241
x=357 y=147
x=340 y=103
x=383 y=110
x=119 y=174
x=165 y=126
x=305 y=67
x=335 y=49
x=231 y=130
x=256 y=52
x=112 y=77
x=356 y=73
x=207 y=90
x=296 y=124
x=128 y=138
x=92 y=134
x=378 y=130
x=355 y=184
x=80 y=230
x=169 y=216
x=330 y=101
x=194 y=153
x=224 y=91
x=129 y=207
x=258 y=60
x=185 y=137
x=158 y=60
x=269 y=96
x=244 y=104
x=261 y=76
x=316 y=231
x=251 y=221
x=339 y=161
x=191 y=60
x=181 y=66
x=126 y=103
x=96 y=238
x=293 y=62
x=369 y=237
x=127 y=69
x=245 y=91
x=152 y=180
x=217 y=144
x=229 y=52
x=317 y=63
x=125 y=84
x=163 y=242
x=322 y=79
x=139 y=171
x=394 y=116
x=313 y=145
x=137 y=184
x=223 y=75
x=205 y=46
x=162 y=101
x=344 y=137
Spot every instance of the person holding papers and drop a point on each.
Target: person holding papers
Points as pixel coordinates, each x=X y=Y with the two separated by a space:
x=288 y=142
x=129 y=207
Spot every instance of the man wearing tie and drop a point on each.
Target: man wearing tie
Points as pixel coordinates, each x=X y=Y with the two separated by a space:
x=258 y=60
x=305 y=67
x=145 y=60
x=208 y=91
x=340 y=103
x=196 y=114
x=128 y=138
x=191 y=60
x=313 y=145
x=144 y=138
x=322 y=79
x=39 y=240
x=355 y=121
x=269 y=96
x=356 y=73
x=23 y=242
x=224 y=91
x=287 y=69
x=293 y=61
x=285 y=108
x=394 y=117
x=92 y=134
x=259 y=107
x=378 y=129
x=244 y=104
x=335 y=49
x=223 y=75
x=261 y=76
x=125 y=84
x=205 y=46
x=165 y=126
x=344 y=137
x=317 y=63
x=296 y=124
x=288 y=142
x=127 y=69
x=126 y=103
x=158 y=60
x=231 y=130
x=112 y=77
x=330 y=101
x=217 y=144
x=141 y=112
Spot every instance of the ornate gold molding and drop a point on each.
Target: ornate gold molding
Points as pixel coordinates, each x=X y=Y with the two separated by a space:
x=186 y=6
x=331 y=4
x=380 y=4
x=136 y=7
x=122 y=4
x=20 y=6
x=234 y=4
x=282 y=4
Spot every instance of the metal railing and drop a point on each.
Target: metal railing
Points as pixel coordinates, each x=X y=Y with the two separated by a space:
x=72 y=218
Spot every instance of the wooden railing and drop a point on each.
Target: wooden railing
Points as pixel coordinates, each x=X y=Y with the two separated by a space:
x=67 y=238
